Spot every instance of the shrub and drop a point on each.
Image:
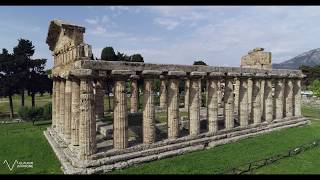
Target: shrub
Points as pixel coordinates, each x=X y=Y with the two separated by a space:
x=315 y=87
x=31 y=113
x=47 y=111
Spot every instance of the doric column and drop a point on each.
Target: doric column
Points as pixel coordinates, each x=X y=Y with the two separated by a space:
x=67 y=110
x=87 y=127
x=173 y=103
x=256 y=98
x=262 y=98
x=195 y=103
x=54 y=87
x=57 y=105
x=187 y=95
x=297 y=97
x=62 y=105
x=289 y=97
x=75 y=111
x=250 y=90
x=99 y=99
x=236 y=95
x=243 y=100
x=229 y=100
x=268 y=101
x=279 y=97
x=149 y=106
x=120 y=115
x=212 y=106
x=163 y=92
x=134 y=94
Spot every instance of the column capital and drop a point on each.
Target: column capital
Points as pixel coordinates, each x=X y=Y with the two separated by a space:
x=151 y=73
x=232 y=75
x=176 y=74
x=216 y=75
x=197 y=74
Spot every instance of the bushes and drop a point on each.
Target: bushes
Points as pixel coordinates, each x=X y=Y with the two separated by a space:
x=35 y=113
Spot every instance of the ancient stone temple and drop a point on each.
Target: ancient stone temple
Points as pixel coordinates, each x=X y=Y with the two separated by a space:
x=85 y=143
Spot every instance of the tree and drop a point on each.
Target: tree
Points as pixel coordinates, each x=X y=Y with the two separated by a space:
x=37 y=77
x=9 y=79
x=22 y=53
x=137 y=58
x=315 y=87
x=108 y=54
x=199 y=63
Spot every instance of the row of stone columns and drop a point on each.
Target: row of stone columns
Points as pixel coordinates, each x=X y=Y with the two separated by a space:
x=74 y=113
x=77 y=104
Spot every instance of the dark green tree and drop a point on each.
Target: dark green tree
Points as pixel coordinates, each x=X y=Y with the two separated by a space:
x=137 y=58
x=36 y=79
x=9 y=78
x=22 y=54
x=108 y=54
x=199 y=63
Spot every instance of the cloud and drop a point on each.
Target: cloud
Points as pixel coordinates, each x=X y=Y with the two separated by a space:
x=169 y=24
x=219 y=35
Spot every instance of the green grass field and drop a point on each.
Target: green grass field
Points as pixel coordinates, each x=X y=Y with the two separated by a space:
x=24 y=142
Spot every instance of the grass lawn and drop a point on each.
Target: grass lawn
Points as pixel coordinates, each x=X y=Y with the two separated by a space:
x=25 y=142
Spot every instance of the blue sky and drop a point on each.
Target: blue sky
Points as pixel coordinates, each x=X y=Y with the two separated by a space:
x=219 y=35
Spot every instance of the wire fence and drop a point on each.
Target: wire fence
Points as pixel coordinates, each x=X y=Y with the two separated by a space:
x=249 y=167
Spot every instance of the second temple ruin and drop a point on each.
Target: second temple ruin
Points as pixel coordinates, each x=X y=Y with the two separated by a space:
x=240 y=102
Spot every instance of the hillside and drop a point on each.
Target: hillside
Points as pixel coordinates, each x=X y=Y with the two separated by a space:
x=309 y=58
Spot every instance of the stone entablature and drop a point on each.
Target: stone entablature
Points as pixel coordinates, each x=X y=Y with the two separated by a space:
x=249 y=105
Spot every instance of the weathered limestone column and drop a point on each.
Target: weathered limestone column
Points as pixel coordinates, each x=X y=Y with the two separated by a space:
x=279 y=97
x=268 y=101
x=297 y=97
x=120 y=115
x=243 y=100
x=229 y=100
x=134 y=94
x=54 y=87
x=250 y=90
x=163 y=92
x=289 y=97
x=195 y=102
x=62 y=105
x=99 y=99
x=67 y=110
x=212 y=106
x=149 y=106
x=262 y=98
x=236 y=97
x=75 y=111
x=256 y=98
x=187 y=95
x=87 y=127
x=173 y=103
x=57 y=105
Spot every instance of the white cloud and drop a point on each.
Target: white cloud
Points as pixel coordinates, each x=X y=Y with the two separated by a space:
x=169 y=24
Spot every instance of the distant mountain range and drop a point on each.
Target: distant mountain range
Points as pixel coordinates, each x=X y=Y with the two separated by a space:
x=309 y=58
